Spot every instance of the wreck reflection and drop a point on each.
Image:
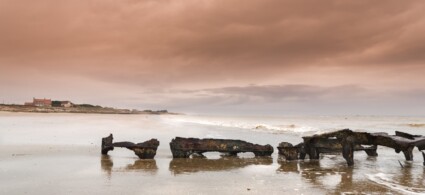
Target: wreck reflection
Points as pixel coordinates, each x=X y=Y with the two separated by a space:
x=331 y=173
x=193 y=165
x=106 y=164
x=338 y=178
x=144 y=165
x=410 y=177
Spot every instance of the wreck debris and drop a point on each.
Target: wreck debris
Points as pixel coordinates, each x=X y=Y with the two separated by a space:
x=400 y=164
x=144 y=150
x=347 y=141
x=184 y=147
x=291 y=152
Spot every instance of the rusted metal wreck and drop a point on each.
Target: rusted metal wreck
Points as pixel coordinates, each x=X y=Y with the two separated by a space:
x=184 y=147
x=348 y=141
x=144 y=150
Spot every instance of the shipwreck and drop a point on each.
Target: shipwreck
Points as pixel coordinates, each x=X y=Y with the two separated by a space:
x=347 y=141
x=144 y=150
x=185 y=147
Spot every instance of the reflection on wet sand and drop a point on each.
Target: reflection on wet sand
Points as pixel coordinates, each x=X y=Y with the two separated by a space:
x=145 y=165
x=106 y=164
x=338 y=179
x=408 y=179
x=192 y=165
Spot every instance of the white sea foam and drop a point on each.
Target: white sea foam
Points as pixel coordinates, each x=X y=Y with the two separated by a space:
x=305 y=125
x=385 y=180
x=269 y=126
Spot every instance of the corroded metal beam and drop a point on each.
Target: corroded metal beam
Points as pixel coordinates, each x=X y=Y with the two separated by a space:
x=184 y=147
x=144 y=150
x=298 y=151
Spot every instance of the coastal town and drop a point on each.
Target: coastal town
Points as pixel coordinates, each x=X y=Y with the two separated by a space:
x=45 y=105
x=49 y=103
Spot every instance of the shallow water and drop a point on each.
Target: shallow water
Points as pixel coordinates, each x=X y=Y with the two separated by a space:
x=60 y=154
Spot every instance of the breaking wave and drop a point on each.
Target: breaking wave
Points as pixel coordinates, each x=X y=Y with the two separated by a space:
x=416 y=125
x=249 y=125
x=291 y=128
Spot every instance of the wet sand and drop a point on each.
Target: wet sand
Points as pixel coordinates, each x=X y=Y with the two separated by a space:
x=82 y=170
x=77 y=167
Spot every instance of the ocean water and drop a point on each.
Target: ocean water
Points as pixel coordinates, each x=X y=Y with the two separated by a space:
x=60 y=154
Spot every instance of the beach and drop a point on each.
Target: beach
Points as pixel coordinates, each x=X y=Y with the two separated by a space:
x=60 y=154
x=89 y=89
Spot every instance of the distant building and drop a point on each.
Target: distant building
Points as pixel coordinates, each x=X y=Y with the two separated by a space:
x=39 y=102
x=66 y=104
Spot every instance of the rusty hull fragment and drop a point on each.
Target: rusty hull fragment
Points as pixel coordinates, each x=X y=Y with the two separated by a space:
x=144 y=150
x=291 y=152
x=184 y=147
x=347 y=141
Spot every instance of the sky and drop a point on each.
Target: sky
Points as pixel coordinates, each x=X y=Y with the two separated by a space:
x=256 y=57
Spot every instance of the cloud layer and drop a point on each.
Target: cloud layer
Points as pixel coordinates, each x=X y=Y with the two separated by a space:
x=268 y=50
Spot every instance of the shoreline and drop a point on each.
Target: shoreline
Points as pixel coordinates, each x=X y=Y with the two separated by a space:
x=79 y=110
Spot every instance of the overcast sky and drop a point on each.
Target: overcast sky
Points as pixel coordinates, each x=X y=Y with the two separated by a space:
x=217 y=56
